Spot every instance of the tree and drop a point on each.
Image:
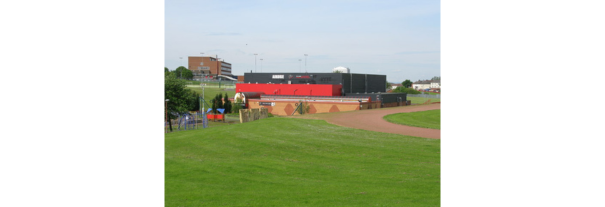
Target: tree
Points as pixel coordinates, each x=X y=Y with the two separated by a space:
x=166 y=70
x=388 y=86
x=213 y=105
x=407 y=83
x=400 y=89
x=183 y=73
x=436 y=78
x=227 y=104
x=219 y=103
x=181 y=99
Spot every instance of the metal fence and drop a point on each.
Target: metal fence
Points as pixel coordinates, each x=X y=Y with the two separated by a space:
x=188 y=121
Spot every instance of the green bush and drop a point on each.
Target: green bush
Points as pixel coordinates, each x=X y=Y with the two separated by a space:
x=236 y=106
x=405 y=90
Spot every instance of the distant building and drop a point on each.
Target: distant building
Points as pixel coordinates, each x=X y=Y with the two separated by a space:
x=436 y=84
x=426 y=84
x=206 y=67
x=341 y=69
x=351 y=83
x=421 y=85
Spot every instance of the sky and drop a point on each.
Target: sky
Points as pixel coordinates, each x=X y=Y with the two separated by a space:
x=399 y=39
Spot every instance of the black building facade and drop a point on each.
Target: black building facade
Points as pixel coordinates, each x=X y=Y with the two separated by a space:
x=351 y=83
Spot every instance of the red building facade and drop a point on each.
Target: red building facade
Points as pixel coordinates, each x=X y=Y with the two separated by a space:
x=291 y=89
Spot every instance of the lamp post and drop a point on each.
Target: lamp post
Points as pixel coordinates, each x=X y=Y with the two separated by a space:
x=255 y=62
x=166 y=118
x=203 y=97
x=305 y=63
x=261 y=65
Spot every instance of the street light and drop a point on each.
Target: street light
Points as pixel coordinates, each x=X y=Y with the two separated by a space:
x=203 y=98
x=255 y=62
x=166 y=118
x=305 y=63
x=261 y=65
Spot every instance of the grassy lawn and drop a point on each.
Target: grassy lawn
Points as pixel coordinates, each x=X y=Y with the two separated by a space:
x=426 y=119
x=421 y=100
x=298 y=162
x=211 y=92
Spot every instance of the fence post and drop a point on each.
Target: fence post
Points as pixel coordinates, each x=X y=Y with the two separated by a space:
x=254 y=114
x=263 y=113
x=243 y=115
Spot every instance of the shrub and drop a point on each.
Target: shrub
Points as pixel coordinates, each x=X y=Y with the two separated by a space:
x=237 y=106
x=227 y=104
x=405 y=90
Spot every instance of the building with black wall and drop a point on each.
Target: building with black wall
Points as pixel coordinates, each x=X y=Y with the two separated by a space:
x=351 y=83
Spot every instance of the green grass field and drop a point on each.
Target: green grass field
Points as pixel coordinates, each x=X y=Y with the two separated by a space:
x=209 y=93
x=421 y=100
x=426 y=119
x=298 y=162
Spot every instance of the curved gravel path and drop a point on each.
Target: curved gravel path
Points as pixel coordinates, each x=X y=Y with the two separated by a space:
x=372 y=120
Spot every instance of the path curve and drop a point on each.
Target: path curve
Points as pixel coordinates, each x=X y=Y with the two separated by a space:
x=372 y=120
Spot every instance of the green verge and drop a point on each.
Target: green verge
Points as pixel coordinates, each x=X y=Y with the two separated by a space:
x=210 y=93
x=421 y=100
x=298 y=162
x=425 y=119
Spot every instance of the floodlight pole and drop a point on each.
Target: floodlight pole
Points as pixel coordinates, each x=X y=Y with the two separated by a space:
x=203 y=96
x=255 y=62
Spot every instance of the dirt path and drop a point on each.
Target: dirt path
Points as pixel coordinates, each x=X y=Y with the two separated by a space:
x=372 y=120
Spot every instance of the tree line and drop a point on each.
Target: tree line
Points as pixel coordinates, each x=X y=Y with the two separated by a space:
x=181 y=73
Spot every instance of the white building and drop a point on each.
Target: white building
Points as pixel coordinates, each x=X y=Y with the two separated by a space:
x=341 y=69
x=421 y=85
x=426 y=84
x=436 y=84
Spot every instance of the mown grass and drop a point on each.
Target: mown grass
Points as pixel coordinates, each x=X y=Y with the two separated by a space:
x=426 y=119
x=297 y=162
x=421 y=100
x=210 y=93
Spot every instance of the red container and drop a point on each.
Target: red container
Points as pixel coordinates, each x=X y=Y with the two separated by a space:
x=214 y=117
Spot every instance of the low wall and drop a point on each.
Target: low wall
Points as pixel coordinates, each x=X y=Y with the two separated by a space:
x=287 y=107
x=247 y=115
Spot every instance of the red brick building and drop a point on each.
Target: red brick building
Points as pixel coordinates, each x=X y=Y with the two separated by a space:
x=205 y=67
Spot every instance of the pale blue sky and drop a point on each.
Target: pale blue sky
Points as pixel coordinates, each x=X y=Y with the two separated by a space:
x=400 y=39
